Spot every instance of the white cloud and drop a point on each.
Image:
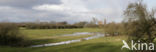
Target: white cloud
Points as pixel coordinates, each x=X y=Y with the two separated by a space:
x=67 y=5
x=4 y=7
x=68 y=10
x=78 y=9
x=49 y=7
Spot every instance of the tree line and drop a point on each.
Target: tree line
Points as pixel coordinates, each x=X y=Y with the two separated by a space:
x=57 y=25
x=139 y=24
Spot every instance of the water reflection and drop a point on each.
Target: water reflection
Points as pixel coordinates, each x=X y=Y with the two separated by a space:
x=97 y=35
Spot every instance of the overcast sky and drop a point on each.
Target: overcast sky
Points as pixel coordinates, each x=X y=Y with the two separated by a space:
x=64 y=10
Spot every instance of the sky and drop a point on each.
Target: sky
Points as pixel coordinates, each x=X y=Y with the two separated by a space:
x=65 y=10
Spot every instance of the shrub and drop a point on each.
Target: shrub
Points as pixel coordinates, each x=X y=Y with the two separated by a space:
x=10 y=36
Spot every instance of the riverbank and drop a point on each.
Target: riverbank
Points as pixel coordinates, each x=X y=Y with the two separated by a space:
x=39 y=36
x=43 y=36
x=103 y=44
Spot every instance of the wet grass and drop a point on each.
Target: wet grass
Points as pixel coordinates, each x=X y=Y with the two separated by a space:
x=40 y=33
x=56 y=39
x=103 y=44
x=42 y=36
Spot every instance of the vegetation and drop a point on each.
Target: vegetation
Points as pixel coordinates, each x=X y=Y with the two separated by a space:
x=10 y=36
x=39 y=33
x=141 y=23
x=41 y=36
x=103 y=44
x=46 y=25
x=58 y=25
x=92 y=23
x=114 y=29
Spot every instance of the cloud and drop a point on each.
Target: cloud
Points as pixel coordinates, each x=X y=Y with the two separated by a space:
x=27 y=3
x=48 y=7
x=66 y=5
x=61 y=10
x=86 y=9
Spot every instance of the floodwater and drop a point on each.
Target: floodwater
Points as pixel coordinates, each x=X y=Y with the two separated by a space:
x=78 y=34
x=97 y=35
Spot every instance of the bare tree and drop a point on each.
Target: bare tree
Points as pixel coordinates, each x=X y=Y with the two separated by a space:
x=141 y=23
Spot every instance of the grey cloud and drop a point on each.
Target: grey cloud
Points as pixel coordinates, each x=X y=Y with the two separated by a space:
x=83 y=10
x=27 y=3
x=14 y=14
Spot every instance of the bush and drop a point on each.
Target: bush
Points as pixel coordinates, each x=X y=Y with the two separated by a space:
x=114 y=29
x=50 y=26
x=10 y=36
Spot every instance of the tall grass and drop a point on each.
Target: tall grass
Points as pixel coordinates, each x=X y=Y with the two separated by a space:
x=10 y=35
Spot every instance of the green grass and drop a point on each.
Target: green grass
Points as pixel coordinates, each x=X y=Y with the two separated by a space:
x=40 y=33
x=42 y=36
x=56 y=39
x=104 y=44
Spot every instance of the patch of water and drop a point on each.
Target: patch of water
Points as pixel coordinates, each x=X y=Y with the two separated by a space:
x=71 y=41
x=78 y=34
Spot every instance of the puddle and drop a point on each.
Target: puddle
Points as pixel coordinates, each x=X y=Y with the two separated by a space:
x=97 y=35
x=79 y=33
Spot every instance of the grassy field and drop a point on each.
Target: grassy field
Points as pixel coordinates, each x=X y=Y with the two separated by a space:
x=103 y=44
x=38 y=36
x=40 y=33
x=42 y=36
